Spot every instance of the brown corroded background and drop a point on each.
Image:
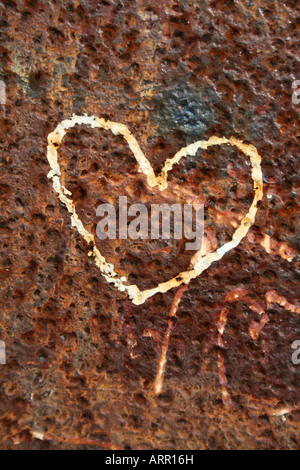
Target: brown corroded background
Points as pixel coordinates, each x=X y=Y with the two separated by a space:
x=81 y=359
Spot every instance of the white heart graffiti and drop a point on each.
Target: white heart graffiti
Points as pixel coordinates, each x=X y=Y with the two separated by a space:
x=199 y=263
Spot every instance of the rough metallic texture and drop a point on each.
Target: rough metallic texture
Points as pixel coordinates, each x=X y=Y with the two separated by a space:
x=81 y=359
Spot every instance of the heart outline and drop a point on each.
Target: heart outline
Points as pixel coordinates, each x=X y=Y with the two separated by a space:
x=198 y=263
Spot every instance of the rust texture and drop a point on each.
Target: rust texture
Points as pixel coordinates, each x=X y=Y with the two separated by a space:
x=81 y=358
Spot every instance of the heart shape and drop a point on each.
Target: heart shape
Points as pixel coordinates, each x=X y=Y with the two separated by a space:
x=198 y=263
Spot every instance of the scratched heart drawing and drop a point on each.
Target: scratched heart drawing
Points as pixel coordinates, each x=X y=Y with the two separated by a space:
x=199 y=262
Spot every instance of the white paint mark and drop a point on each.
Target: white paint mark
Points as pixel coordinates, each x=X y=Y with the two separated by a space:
x=199 y=263
x=38 y=435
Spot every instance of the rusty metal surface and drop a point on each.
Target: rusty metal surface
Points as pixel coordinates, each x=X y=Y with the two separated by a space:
x=81 y=359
